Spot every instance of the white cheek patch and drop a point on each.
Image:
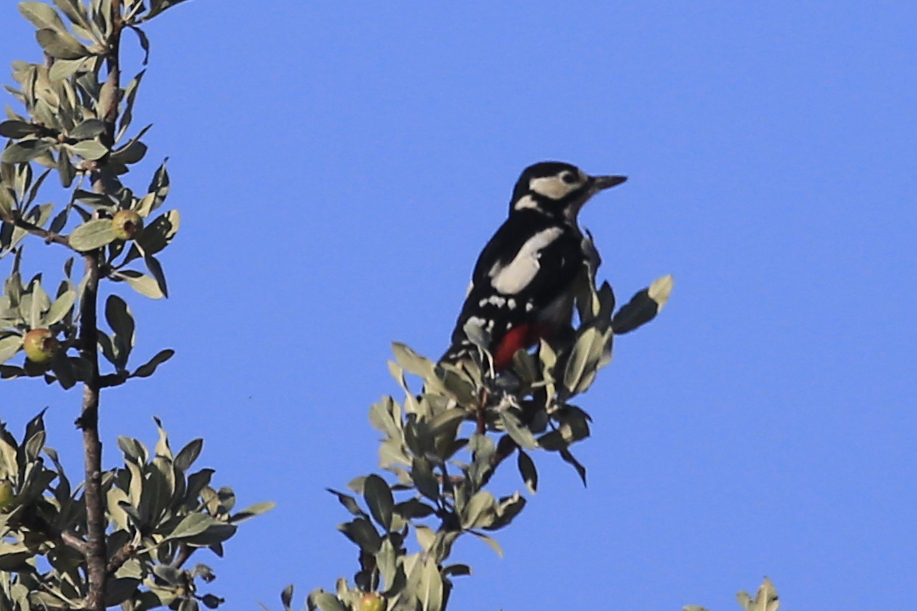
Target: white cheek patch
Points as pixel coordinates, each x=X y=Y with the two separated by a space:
x=527 y=201
x=551 y=186
x=513 y=277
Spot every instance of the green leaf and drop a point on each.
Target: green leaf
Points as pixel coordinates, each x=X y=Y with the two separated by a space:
x=326 y=601
x=424 y=478
x=143 y=284
x=74 y=10
x=60 y=219
x=412 y=508
x=121 y=321
x=456 y=570
x=24 y=151
x=349 y=503
x=89 y=149
x=40 y=303
x=528 y=471
x=13 y=557
x=158 y=191
x=41 y=15
x=192 y=525
x=379 y=499
x=130 y=153
x=9 y=346
x=92 y=235
x=119 y=589
x=507 y=509
x=286 y=597
x=16 y=129
x=363 y=533
x=7 y=203
x=430 y=591
x=133 y=449
x=65 y=68
x=157 y=235
x=583 y=356
x=67 y=173
x=480 y=511
x=155 y=269
x=96 y=200
x=766 y=599
x=144 y=43
x=60 y=44
x=188 y=454
x=130 y=95
x=644 y=306
x=250 y=512
x=156 y=7
x=90 y=128
x=146 y=370
x=489 y=541
x=571 y=460
x=62 y=366
x=446 y=419
x=520 y=434
x=412 y=362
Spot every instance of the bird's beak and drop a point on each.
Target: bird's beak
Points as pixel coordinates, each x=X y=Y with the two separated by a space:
x=600 y=183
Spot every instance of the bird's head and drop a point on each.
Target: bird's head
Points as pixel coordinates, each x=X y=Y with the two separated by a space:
x=558 y=189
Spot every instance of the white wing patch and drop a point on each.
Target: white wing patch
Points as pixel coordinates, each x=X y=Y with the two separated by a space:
x=513 y=277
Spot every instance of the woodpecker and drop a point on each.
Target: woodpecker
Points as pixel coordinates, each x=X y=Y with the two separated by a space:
x=522 y=284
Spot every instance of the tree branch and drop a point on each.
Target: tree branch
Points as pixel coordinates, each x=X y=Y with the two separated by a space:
x=96 y=554
x=47 y=236
x=89 y=422
x=120 y=557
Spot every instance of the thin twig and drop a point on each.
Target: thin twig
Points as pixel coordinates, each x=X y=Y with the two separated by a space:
x=73 y=541
x=120 y=557
x=34 y=229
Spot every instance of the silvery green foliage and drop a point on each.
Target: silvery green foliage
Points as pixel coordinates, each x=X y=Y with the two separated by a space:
x=75 y=121
x=62 y=129
x=765 y=600
x=159 y=509
x=443 y=442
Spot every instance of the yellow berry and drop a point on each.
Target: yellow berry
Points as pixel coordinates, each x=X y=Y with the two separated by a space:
x=126 y=224
x=372 y=602
x=40 y=345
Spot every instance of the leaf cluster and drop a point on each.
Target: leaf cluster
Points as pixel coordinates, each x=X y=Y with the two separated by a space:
x=442 y=446
x=159 y=510
x=76 y=123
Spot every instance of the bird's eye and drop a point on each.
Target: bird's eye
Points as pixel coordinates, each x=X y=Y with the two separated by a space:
x=569 y=177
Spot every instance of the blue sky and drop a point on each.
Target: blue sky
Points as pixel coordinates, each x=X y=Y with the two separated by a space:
x=338 y=170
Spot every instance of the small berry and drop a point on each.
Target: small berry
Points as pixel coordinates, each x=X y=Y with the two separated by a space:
x=40 y=345
x=126 y=224
x=372 y=602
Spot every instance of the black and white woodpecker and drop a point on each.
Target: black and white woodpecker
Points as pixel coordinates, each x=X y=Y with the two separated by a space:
x=523 y=282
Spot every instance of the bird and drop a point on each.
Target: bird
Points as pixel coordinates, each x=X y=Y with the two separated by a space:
x=522 y=286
